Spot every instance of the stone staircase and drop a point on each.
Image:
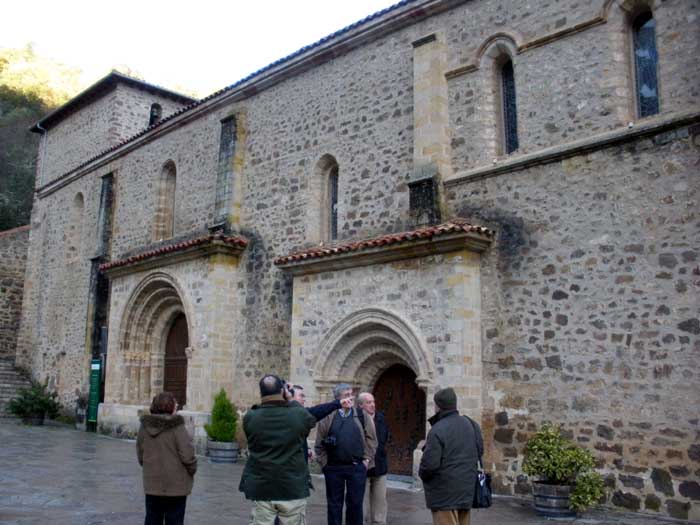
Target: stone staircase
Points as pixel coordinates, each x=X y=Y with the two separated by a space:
x=10 y=382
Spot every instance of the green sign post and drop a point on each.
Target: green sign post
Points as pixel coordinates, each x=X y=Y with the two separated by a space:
x=95 y=385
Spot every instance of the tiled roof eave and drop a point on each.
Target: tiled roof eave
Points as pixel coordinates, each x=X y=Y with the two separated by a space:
x=169 y=254
x=343 y=257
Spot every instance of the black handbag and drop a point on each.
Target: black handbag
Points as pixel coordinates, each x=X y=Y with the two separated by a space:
x=482 y=487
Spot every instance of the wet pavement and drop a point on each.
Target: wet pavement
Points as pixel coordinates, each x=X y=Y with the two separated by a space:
x=59 y=476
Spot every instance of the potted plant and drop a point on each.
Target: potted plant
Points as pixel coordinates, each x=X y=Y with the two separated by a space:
x=34 y=403
x=221 y=445
x=567 y=483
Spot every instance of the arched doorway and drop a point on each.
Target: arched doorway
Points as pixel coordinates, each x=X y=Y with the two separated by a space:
x=154 y=336
x=377 y=351
x=175 y=369
x=403 y=404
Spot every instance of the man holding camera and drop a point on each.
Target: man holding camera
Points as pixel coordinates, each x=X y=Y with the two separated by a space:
x=346 y=442
x=275 y=476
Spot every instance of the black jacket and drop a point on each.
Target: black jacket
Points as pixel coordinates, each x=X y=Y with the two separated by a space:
x=381 y=465
x=449 y=464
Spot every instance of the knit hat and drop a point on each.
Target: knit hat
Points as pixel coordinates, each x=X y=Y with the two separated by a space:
x=446 y=399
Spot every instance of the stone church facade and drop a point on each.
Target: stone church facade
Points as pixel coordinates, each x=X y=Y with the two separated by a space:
x=496 y=197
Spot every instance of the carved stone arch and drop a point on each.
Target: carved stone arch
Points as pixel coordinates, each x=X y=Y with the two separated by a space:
x=348 y=347
x=497 y=45
x=628 y=8
x=373 y=360
x=146 y=319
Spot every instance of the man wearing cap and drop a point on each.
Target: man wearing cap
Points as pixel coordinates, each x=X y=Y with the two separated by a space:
x=449 y=464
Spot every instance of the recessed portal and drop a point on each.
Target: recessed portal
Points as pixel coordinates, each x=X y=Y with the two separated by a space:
x=403 y=405
x=175 y=373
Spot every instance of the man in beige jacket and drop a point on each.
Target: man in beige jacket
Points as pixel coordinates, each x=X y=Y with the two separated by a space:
x=346 y=442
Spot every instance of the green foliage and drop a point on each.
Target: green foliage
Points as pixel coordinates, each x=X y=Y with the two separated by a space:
x=27 y=73
x=30 y=87
x=35 y=401
x=554 y=458
x=588 y=491
x=223 y=419
x=559 y=461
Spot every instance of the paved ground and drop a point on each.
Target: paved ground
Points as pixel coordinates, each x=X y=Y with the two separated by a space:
x=59 y=476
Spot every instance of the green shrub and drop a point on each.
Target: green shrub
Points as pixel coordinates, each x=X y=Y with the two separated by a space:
x=559 y=461
x=555 y=459
x=588 y=491
x=35 y=401
x=223 y=419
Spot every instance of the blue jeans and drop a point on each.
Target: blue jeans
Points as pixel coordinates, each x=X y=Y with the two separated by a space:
x=345 y=483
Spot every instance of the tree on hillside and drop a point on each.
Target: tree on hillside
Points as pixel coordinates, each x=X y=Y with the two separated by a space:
x=30 y=87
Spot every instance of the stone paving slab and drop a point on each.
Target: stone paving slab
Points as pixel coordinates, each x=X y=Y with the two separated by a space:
x=59 y=476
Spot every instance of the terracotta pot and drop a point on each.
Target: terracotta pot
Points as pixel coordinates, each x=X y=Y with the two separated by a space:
x=552 y=500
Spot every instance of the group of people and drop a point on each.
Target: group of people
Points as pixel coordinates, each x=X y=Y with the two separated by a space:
x=350 y=446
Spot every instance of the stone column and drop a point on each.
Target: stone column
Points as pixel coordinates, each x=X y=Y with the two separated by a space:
x=431 y=138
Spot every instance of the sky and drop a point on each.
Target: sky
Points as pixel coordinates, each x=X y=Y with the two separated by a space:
x=199 y=45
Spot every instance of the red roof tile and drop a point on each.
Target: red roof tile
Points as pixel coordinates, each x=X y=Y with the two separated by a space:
x=231 y=240
x=457 y=225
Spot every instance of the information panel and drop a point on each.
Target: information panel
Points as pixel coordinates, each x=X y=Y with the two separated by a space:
x=94 y=400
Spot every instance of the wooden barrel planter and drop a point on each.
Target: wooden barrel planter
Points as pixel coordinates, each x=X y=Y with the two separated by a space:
x=220 y=452
x=552 y=500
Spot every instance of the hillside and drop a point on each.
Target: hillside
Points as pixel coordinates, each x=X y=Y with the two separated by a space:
x=30 y=87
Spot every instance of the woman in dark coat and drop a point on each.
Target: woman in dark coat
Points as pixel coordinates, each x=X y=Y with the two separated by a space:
x=165 y=452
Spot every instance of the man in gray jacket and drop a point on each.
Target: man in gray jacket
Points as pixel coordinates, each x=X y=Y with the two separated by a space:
x=449 y=464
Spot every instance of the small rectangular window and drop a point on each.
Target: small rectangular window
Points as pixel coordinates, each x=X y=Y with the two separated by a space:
x=423 y=202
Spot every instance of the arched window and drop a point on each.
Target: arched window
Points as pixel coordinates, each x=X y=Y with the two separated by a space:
x=645 y=64
x=164 y=220
x=333 y=202
x=323 y=218
x=75 y=229
x=156 y=114
x=509 y=109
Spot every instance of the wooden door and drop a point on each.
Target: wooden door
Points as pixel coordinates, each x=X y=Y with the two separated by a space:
x=175 y=374
x=403 y=404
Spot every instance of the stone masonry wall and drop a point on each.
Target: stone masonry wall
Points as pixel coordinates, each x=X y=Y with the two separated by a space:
x=436 y=296
x=52 y=340
x=591 y=316
x=571 y=88
x=104 y=123
x=13 y=254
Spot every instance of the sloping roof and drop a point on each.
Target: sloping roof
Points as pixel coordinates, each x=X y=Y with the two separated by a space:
x=233 y=241
x=456 y=225
x=99 y=89
x=413 y=15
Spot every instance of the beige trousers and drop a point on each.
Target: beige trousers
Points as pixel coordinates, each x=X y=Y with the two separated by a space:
x=290 y=512
x=375 y=501
x=450 y=517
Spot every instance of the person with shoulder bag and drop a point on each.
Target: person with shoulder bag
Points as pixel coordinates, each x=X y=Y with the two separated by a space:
x=450 y=463
x=164 y=450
